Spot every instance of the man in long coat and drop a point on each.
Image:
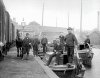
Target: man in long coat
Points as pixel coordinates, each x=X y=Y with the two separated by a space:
x=26 y=45
x=35 y=44
x=44 y=42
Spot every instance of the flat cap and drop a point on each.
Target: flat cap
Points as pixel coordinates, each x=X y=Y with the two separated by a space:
x=69 y=28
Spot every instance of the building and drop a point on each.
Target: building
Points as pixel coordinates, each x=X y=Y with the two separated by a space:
x=36 y=29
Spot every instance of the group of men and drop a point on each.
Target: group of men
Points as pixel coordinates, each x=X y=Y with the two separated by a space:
x=24 y=45
x=67 y=43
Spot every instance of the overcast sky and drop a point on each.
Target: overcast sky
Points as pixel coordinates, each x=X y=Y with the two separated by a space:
x=31 y=10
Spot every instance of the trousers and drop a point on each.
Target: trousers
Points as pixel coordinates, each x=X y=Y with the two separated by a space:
x=70 y=53
x=53 y=55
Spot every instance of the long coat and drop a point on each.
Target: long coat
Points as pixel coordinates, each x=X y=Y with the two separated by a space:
x=26 y=45
x=44 y=41
x=35 y=44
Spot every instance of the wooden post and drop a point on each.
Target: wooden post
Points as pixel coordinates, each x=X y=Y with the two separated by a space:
x=98 y=20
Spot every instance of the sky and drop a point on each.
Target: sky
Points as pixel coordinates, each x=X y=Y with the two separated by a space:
x=56 y=12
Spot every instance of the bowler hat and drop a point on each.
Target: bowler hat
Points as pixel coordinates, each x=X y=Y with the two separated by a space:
x=69 y=28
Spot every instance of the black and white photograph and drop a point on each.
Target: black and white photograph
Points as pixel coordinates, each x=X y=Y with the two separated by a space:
x=49 y=38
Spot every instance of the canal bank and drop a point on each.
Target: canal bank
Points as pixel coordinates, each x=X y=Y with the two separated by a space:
x=14 y=67
x=49 y=72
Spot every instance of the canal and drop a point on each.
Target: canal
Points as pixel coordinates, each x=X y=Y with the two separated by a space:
x=94 y=71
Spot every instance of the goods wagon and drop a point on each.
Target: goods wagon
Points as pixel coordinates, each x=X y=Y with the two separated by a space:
x=7 y=30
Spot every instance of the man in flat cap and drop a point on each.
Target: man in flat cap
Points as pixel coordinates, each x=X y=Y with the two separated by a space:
x=58 y=50
x=35 y=44
x=70 y=41
x=61 y=37
x=87 y=41
x=44 y=42
x=26 y=46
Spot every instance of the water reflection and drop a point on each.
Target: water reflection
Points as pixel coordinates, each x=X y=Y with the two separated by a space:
x=94 y=71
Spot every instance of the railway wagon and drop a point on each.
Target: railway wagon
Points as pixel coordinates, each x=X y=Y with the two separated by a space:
x=2 y=21
x=13 y=32
x=7 y=23
x=7 y=30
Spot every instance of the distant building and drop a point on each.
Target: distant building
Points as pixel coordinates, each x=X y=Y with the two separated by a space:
x=14 y=19
x=35 y=28
x=52 y=32
x=95 y=38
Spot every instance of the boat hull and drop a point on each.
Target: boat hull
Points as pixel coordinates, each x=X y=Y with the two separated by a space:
x=86 y=57
x=63 y=70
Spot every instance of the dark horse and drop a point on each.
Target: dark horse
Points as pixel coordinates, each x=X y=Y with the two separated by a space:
x=19 y=42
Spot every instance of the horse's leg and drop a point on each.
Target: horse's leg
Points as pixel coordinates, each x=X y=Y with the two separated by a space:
x=17 y=52
x=20 y=53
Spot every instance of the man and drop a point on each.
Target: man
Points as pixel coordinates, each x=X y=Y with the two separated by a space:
x=26 y=46
x=70 y=41
x=19 y=46
x=62 y=40
x=35 y=44
x=44 y=42
x=87 y=42
x=57 y=52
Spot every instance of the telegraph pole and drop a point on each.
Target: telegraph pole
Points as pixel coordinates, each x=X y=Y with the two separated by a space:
x=68 y=18
x=56 y=22
x=98 y=20
x=81 y=20
x=43 y=13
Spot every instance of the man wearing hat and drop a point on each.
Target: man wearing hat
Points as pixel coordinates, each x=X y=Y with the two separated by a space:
x=44 y=42
x=26 y=46
x=58 y=50
x=87 y=41
x=62 y=40
x=35 y=44
x=70 y=42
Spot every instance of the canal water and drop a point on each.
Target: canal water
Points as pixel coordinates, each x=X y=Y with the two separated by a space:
x=94 y=71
